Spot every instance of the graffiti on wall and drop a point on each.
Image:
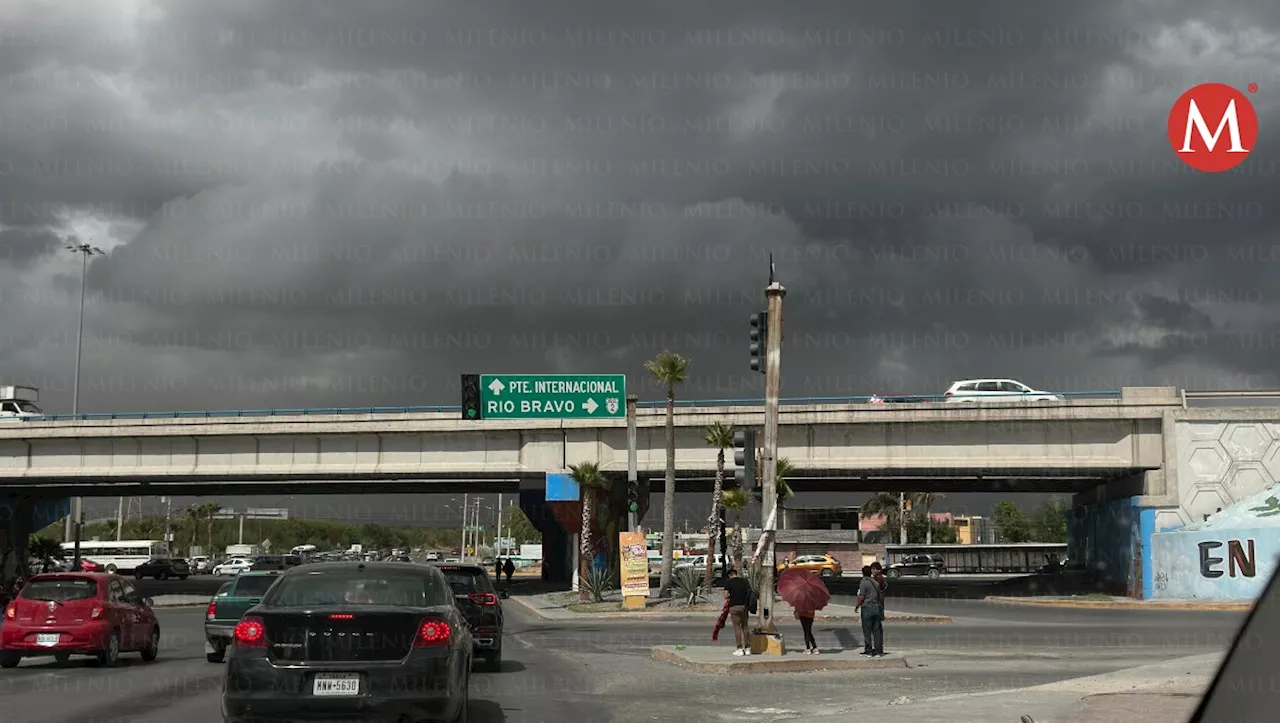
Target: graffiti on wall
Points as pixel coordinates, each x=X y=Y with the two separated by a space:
x=1239 y=562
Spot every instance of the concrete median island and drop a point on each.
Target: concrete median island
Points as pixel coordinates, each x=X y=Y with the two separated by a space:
x=720 y=659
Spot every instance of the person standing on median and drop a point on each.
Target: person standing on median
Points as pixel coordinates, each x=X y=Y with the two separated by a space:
x=497 y=571
x=737 y=592
x=509 y=568
x=871 y=605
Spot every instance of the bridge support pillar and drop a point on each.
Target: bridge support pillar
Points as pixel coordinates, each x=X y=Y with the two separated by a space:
x=20 y=517
x=1109 y=528
x=557 y=550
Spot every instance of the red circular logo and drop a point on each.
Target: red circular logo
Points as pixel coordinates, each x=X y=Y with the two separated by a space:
x=1213 y=127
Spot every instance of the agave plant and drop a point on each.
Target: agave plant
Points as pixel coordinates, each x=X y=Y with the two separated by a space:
x=597 y=582
x=687 y=583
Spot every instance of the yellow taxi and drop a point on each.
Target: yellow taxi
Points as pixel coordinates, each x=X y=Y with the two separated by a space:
x=824 y=565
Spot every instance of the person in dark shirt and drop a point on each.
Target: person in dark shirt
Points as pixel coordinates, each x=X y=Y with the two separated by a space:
x=497 y=570
x=509 y=568
x=738 y=592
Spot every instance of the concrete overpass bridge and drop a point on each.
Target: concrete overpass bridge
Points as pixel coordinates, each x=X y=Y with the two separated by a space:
x=1138 y=461
x=1066 y=446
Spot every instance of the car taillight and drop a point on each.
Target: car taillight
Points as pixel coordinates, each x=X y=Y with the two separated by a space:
x=432 y=634
x=483 y=598
x=250 y=633
x=96 y=612
x=341 y=616
x=11 y=611
x=211 y=612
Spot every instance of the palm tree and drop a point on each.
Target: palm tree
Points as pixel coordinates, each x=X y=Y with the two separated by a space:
x=205 y=512
x=885 y=504
x=736 y=500
x=784 y=470
x=669 y=369
x=590 y=480
x=719 y=436
x=45 y=550
x=927 y=499
x=193 y=518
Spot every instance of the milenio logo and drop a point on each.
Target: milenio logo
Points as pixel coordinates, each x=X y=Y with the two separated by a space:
x=1228 y=111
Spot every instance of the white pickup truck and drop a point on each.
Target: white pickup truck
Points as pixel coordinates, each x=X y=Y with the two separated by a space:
x=19 y=402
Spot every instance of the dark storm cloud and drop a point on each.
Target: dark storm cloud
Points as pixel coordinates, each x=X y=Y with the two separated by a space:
x=306 y=204
x=21 y=247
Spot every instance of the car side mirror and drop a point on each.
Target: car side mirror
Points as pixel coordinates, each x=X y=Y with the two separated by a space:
x=503 y=594
x=148 y=602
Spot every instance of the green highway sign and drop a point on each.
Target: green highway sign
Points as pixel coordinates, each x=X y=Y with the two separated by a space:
x=553 y=396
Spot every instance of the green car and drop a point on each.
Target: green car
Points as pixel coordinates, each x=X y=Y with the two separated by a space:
x=229 y=605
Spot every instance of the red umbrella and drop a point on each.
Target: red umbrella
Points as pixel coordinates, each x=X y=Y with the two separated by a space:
x=803 y=590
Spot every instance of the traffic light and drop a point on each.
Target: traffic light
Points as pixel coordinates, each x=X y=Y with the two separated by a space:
x=633 y=495
x=759 y=340
x=744 y=456
x=471 y=397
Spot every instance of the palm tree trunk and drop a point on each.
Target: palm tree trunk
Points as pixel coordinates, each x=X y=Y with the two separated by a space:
x=928 y=521
x=714 y=534
x=669 y=498
x=209 y=533
x=584 y=546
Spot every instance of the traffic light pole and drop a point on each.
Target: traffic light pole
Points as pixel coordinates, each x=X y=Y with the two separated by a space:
x=769 y=503
x=633 y=481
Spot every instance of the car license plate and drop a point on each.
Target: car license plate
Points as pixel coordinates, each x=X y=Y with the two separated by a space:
x=47 y=638
x=336 y=684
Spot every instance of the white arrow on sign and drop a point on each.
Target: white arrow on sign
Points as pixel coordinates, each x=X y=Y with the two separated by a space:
x=591 y=406
x=497 y=386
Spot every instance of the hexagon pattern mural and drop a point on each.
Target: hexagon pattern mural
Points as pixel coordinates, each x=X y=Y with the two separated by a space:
x=1219 y=464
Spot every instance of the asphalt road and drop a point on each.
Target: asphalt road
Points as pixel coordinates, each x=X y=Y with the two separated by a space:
x=599 y=671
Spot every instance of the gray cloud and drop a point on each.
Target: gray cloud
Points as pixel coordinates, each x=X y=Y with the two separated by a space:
x=309 y=205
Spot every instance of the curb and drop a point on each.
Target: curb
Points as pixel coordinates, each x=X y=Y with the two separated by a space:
x=711 y=616
x=783 y=664
x=1109 y=605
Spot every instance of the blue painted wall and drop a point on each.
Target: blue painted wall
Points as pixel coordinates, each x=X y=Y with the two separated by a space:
x=1178 y=556
x=1114 y=539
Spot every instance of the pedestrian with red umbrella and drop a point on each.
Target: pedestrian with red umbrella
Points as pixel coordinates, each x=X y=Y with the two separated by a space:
x=805 y=592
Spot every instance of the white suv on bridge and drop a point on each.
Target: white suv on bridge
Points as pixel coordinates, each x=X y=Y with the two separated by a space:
x=997 y=390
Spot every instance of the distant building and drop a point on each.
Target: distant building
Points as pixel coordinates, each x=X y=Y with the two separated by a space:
x=974 y=530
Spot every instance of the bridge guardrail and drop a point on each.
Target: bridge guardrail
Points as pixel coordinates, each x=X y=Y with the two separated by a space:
x=648 y=404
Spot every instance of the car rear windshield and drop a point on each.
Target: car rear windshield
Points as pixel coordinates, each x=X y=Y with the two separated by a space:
x=323 y=588
x=61 y=589
x=466 y=579
x=254 y=585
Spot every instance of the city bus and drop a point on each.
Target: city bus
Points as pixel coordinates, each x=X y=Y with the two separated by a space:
x=118 y=555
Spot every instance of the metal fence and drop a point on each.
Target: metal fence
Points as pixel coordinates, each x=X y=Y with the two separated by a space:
x=977 y=559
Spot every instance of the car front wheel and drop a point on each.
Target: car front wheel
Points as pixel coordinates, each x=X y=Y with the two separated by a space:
x=152 y=650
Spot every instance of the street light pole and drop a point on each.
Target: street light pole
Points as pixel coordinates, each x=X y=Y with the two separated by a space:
x=75 y=521
x=497 y=537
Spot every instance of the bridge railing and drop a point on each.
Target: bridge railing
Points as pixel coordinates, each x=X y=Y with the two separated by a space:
x=889 y=399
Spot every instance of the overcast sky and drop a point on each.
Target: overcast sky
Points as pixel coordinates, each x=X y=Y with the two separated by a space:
x=312 y=203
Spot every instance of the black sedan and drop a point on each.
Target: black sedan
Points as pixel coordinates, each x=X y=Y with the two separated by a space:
x=480 y=602
x=367 y=640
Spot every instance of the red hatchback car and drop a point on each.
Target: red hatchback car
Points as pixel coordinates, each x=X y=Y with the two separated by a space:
x=78 y=613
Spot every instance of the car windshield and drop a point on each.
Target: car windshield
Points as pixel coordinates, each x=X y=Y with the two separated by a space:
x=323 y=588
x=465 y=580
x=254 y=585
x=60 y=589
